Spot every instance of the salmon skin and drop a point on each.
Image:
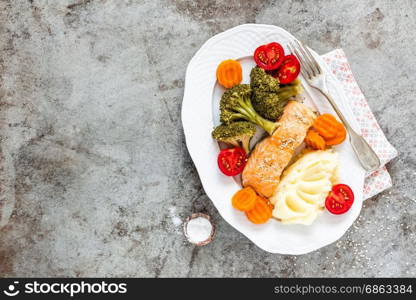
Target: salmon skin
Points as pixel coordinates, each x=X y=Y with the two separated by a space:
x=271 y=156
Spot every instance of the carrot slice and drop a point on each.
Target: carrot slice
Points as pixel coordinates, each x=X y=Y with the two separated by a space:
x=326 y=125
x=261 y=212
x=229 y=73
x=332 y=131
x=339 y=138
x=244 y=199
x=314 y=140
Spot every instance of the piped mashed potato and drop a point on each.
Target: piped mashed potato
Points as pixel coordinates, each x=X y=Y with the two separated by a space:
x=301 y=193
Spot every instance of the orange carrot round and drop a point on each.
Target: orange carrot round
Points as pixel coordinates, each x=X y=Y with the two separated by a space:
x=244 y=199
x=229 y=73
x=314 y=140
x=261 y=212
x=327 y=126
x=339 y=138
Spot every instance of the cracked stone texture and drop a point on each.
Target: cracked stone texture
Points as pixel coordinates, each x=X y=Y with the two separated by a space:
x=95 y=171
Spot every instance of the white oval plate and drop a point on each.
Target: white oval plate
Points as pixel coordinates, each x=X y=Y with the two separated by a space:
x=200 y=114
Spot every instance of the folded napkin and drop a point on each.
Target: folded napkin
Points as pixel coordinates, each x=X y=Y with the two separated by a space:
x=380 y=179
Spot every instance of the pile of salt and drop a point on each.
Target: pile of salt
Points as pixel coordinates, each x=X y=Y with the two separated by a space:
x=198 y=230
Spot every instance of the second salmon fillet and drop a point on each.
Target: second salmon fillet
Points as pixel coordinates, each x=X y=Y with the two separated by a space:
x=271 y=156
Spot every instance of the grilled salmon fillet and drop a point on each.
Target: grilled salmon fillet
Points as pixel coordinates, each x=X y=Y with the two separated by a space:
x=269 y=158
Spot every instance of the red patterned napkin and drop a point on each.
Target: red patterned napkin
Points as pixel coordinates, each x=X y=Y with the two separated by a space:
x=380 y=179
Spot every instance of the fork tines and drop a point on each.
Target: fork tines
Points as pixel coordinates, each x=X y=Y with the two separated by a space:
x=309 y=66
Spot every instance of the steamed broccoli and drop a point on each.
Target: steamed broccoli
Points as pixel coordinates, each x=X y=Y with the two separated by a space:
x=260 y=80
x=268 y=98
x=237 y=134
x=236 y=104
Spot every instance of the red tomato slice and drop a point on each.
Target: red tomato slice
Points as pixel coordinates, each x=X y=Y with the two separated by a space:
x=340 y=199
x=232 y=161
x=345 y=190
x=288 y=70
x=270 y=56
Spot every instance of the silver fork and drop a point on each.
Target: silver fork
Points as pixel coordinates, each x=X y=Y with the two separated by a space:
x=315 y=76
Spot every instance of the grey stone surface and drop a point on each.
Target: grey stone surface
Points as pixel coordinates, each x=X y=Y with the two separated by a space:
x=91 y=136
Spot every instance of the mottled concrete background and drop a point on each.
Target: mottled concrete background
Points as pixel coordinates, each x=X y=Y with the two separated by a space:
x=93 y=153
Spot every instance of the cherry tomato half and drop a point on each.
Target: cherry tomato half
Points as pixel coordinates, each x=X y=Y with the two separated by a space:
x=270 y=56
x=340 y=199
x=288 y=70
x=345 y=190
x=232 y=161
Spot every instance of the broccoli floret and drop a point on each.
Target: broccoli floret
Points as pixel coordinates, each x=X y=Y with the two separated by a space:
x=236 y=104
x=259 y=79
x=268 y=105
x=271 y=105
x=237 y=134
x=268 y=101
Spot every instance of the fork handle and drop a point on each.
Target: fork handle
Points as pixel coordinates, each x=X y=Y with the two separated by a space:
x=365 y=154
